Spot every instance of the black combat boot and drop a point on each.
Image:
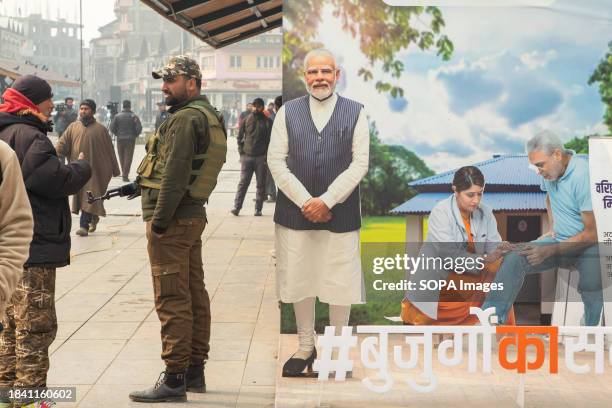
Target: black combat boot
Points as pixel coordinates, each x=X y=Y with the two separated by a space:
x=195 y=378
x=169 y=388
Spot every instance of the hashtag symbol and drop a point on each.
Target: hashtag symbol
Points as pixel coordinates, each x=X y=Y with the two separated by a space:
x=327 y=344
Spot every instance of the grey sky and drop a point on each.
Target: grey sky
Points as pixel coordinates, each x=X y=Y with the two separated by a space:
x=96 y=13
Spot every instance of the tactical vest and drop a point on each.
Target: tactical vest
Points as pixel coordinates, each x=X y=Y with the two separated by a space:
x=316 y=158
x=203 y=179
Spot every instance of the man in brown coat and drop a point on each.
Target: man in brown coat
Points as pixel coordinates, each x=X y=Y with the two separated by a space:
x=92 y=139
x=16 y=225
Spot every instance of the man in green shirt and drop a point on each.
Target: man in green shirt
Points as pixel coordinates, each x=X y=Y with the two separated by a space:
x=176 y=177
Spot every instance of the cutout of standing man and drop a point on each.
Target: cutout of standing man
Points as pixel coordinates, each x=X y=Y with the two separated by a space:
x=318 y=154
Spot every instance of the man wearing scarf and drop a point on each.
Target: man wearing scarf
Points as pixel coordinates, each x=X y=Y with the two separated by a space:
x=318 y=154
x=90 y=137
x=30 y=322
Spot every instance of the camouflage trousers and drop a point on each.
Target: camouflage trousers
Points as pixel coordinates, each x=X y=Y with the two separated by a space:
x=30 y=325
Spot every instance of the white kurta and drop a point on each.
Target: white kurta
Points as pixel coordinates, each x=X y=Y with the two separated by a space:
x=318 y=262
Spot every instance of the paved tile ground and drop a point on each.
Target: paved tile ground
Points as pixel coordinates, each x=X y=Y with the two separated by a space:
x=108 y=342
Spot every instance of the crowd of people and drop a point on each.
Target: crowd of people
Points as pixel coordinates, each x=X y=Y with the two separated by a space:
x=35 y=225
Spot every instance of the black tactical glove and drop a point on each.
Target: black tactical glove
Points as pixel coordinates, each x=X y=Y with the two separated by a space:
x=131 y=190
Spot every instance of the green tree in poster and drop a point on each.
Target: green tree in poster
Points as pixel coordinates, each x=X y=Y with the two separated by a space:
x=392 y=167
x=382 y=30
x=579 y=145
x=603 y=76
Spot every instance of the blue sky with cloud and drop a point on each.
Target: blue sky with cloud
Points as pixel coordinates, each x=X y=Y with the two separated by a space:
x=514 y=72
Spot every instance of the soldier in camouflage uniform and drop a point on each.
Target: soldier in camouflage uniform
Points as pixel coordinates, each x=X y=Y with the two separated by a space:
x=176 y=177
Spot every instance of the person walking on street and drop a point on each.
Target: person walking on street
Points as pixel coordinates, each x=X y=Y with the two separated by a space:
x=30 y=321
x=126 y=127
x=162 y=115
x=176 y=178
x=270 y=185
x=270 y=111
x=244 y=114
x=253 y=140
x=64 y=117
x=89 y=137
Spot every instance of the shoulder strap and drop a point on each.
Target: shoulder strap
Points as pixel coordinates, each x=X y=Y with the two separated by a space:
x=210 y=113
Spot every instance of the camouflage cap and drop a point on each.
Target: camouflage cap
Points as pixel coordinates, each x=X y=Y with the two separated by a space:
x=179 y=65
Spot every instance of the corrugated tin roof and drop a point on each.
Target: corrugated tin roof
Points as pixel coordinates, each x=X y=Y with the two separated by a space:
x=511 y=201
x=221 y=22
x=507 y=170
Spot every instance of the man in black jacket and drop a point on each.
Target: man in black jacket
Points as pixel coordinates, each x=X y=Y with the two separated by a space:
x=270 y=185
x=30 y=321
x=253 y=141
x=126 y=126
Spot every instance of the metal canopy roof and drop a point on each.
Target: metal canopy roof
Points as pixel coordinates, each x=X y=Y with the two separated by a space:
x=221 y=22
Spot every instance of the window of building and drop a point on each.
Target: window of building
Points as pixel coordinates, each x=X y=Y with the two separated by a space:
x=268 y=62
x=208 y=63
x=53 y=31
x=235 y=61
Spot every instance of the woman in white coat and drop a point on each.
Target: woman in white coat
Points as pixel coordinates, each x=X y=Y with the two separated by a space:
x=464 y=229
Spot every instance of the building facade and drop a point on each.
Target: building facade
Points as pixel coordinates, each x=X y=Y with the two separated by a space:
x=52 y=44
x=140 y=41
x=12 y=39
x=47 y=48
x=241 y=72
x=128 y=48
